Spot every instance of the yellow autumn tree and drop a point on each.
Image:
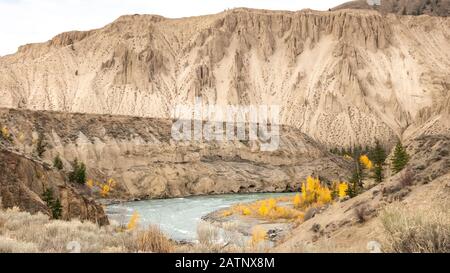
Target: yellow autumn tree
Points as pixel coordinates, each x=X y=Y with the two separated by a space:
x=105 y=190
x=313 y=192
x=263 y=209
x=272 y=203
x=297 y=201
x=5 y=132
x=134 y=220
x=246 y=211
x=342 y=190
x=102 y=188
x=347 y=157
x=111 y=183
x=323 y=195
x=367 y=163
x=90 y=183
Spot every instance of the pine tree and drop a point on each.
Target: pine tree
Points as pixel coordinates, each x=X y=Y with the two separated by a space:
x=56 y=209
x=54 y=205
x=400 y=158
x=356 y=181
x=47 y=197
x=78 y=175
x=40 y=145
x=378 y=173
x=57 y=163
x=378 y=157
x=378 y=154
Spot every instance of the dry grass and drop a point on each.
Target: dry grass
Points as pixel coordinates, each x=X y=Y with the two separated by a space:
x=153 y=240
x=225 y=239
x=324 y=246
x=419 y=230
x=207 y=234
x=23 y=232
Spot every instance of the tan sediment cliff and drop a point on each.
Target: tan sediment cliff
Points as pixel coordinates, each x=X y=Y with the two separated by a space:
x=343 y=77
x=140 y=155
x=23 y=181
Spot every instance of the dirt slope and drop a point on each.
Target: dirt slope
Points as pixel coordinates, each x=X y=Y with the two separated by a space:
x=338 y=228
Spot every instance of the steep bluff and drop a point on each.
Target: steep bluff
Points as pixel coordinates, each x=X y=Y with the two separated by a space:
x=344 y=77
x=140 y=155
x=23 y=181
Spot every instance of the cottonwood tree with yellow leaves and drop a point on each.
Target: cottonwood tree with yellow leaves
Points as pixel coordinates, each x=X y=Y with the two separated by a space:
x=5 y=133
x=103 y=189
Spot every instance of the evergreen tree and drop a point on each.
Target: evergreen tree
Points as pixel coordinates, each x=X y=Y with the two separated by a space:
x=57 y=163
x=54 y=205
x=356 y=181
x=78 y=175
x=366 y=149
x=359 y=149
x=47 y=197
x=378 y=154
x=378 y=173
x=56 y=209
x=40 y=145
x=400 y=158
x=378 y=157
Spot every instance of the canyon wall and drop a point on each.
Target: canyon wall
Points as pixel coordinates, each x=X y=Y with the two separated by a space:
x=344 y=77
x=140 y=155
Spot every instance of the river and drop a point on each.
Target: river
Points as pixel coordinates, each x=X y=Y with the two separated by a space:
x=179 y=217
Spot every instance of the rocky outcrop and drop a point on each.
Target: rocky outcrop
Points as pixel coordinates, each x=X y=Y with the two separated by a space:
x=343 y=77
x=144 y=160
x=403 y=7
x=23 y=181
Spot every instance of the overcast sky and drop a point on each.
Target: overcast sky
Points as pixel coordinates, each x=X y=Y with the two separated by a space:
x=30 y=21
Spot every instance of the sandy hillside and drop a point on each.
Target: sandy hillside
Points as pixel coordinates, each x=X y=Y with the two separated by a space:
x=349 y=226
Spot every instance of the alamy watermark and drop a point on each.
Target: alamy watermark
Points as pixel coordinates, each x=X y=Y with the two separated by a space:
x=202 y=122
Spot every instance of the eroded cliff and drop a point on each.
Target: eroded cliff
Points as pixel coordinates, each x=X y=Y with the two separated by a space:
x=144 y=160
x=23 y=181
x=344 y=77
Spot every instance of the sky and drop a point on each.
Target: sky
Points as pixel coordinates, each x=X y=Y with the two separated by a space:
x=32 y=21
